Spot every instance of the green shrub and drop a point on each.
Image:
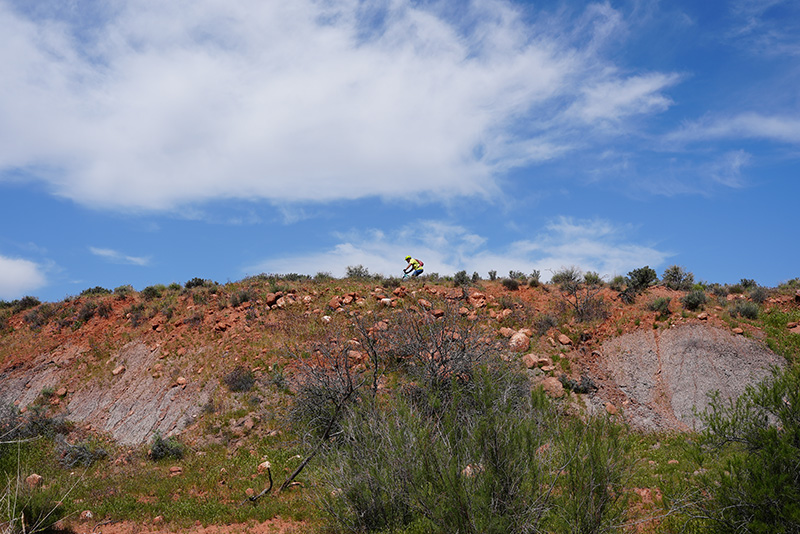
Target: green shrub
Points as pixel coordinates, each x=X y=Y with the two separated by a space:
x=323 y=276
x=83 y=454
x=660 y=305
x=694 y=300
x=153 y=292
x=496 y=459
x=240 y=379
x=40 y=316
x=97 y=290
x=161 y=448
x=618 y=283
x=242 y=296
x=593 y=279
x=461 y=279
x=748 y=283
x=676 y=277
x=510 y=284
x=123 y=291
x=358 y=272
x=748 y=310
x=642 y=278
x=195 y=282
x=757 y=486
x=517 y=275
x=544 y=322
x=759 y=294
x=87 y=311
x=535 y=279
x=492 y=275
x=567 y=275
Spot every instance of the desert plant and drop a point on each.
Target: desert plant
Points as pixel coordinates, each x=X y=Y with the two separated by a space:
x=592 y=278
x=153 y=292
x=161 y=448
x=694 y=300
x=678 y=278
x=242 y=296
x=748 y=283
x=748 y=310
x=544 y=322
x=642 y=278
x=357 y=272
x=475 y=277
x=97 y=290
x=323 y=276
x=757 y=487
x=759 y=294
x=80 y=454
x=510 y=283
x=618 y=283
x=461 y=279
x=240 y=379
x=195 y=282
x=660 y=305
x=535 y=279
x=583 y=301
x=492 y=275
x=517 y=275
x=567 y=275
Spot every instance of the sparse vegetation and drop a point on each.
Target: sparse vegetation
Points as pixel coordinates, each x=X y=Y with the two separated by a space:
x=510 y=283
x=642 y=278
x=398 y=416
x=677 y=278
x=694 y=300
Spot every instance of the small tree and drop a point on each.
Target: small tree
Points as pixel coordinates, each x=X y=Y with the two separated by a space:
x=676 y=277
x=642 y=278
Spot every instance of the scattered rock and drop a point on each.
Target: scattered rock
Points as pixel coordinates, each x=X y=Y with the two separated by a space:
x=62 y=392
x=738 y=331
x=507 y=332
x=86 y=515
x=564 y=340
x=703 y=316
x=553 y=387
x=611 y=409
x=530 y=361
x=33 y=480
x=438 y=313
x=519 y=342
x=326 y=319
x=175 y=471
x=424 y=303
x=118 y=370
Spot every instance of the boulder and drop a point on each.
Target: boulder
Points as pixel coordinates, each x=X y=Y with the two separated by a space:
x=553 y=387
x=507 y=332
x=564 y=340
x=33 y=480
x=519 y=342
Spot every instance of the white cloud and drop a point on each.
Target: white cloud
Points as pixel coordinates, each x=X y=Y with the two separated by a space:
x=19 y=277
x=783 y=129
x=115 y=256
x=591 y=245
x=169 y=103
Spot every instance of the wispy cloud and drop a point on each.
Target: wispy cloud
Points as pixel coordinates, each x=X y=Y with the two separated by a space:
x=19 y=276
x=783 y=129
x=169 y=103
x=595 y=245
x=767 y=27
x=115 y=256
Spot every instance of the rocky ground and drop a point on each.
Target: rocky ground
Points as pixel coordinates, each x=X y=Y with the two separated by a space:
x=152 y=365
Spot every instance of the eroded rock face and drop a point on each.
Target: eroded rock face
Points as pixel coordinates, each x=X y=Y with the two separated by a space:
x=129 y=405
x=665 y=376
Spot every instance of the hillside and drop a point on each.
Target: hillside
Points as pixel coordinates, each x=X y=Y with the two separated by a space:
x=218 y=365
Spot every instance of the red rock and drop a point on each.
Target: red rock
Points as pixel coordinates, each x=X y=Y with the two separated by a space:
x=519 y=342
x=564 y=340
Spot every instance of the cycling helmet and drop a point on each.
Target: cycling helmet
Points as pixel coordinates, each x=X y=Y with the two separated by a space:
x=408 y=258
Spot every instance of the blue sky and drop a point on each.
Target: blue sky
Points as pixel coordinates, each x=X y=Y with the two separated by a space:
x=147 y=142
